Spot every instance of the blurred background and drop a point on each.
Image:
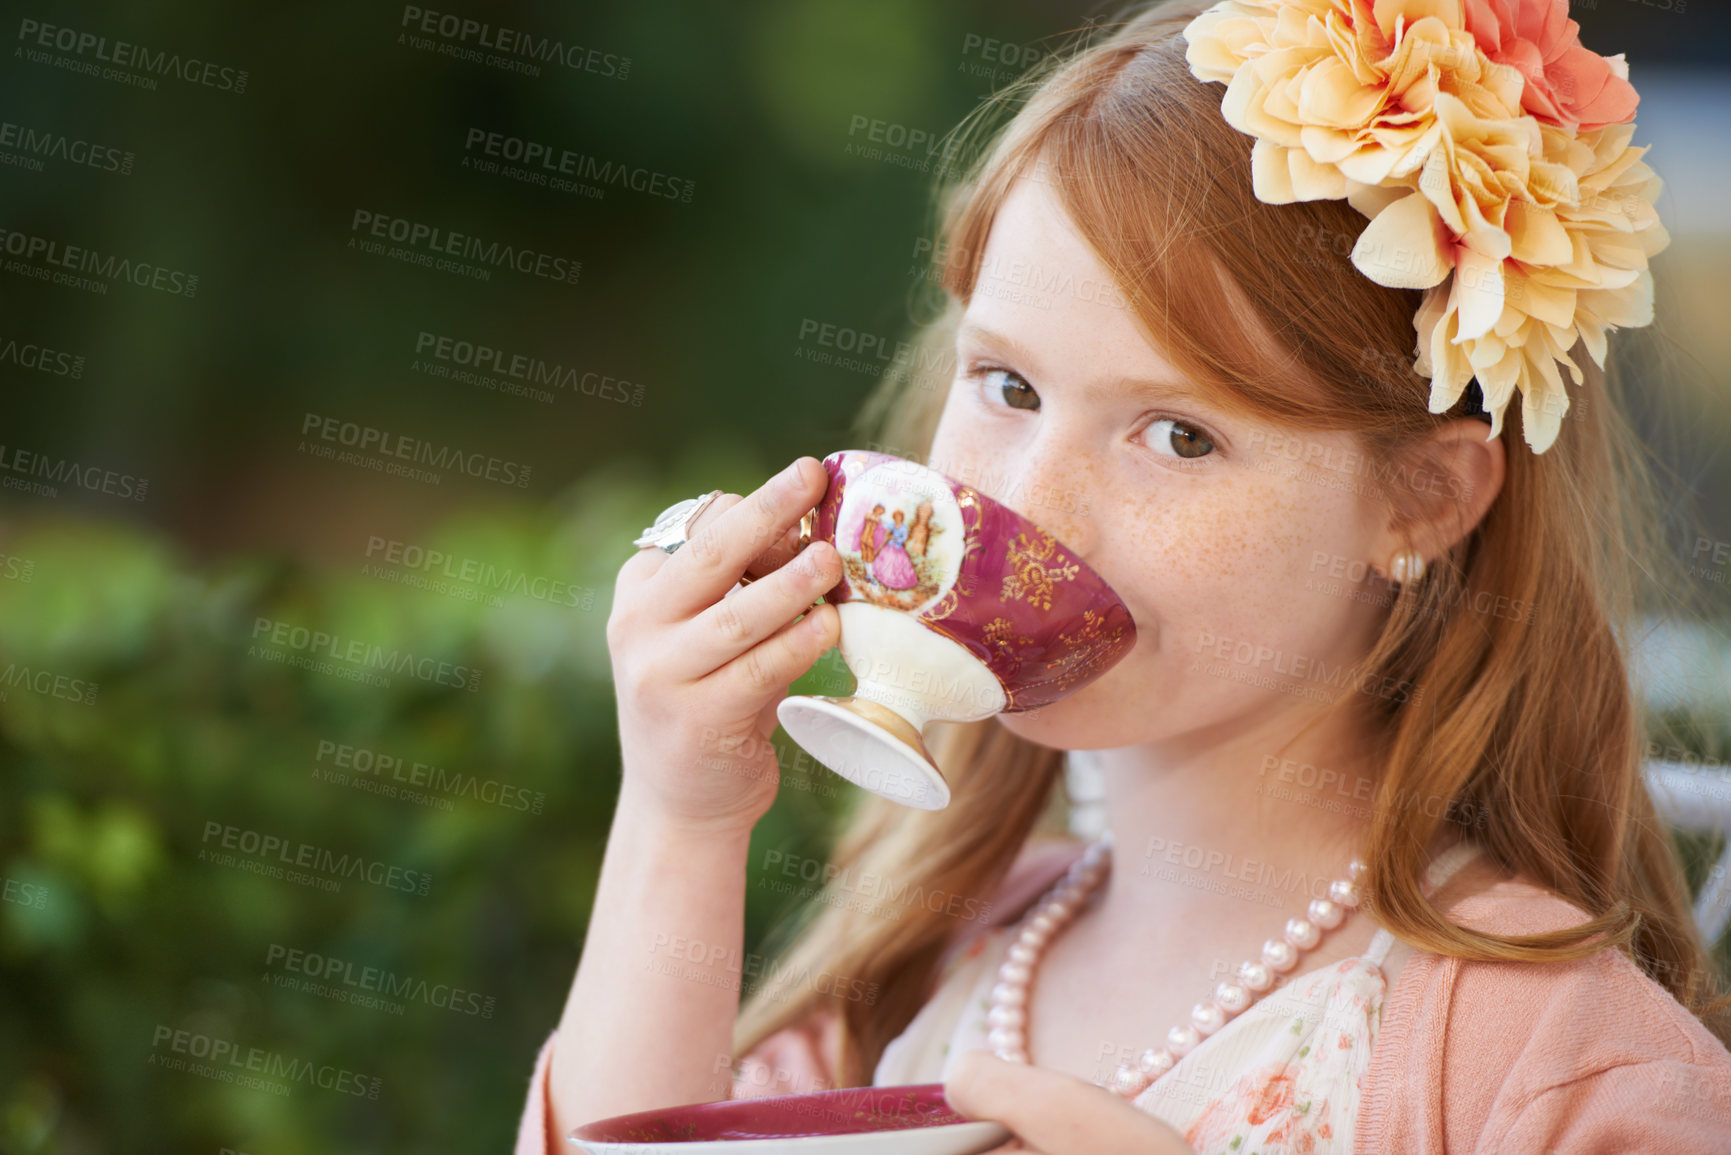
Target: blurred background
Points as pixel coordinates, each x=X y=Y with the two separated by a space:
x=326 y=332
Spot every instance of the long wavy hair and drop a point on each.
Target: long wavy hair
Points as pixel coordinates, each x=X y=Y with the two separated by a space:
x=1528 y=722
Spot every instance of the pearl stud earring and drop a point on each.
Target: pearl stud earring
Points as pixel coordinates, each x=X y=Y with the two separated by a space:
x=1407 y=566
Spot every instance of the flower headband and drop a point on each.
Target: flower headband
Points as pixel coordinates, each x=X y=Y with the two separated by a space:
x=1490 y=151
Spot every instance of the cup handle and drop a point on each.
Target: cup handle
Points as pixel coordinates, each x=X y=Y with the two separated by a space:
x=806 y=525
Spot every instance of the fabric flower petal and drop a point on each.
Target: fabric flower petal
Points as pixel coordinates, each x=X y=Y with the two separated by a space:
x=1403 y=246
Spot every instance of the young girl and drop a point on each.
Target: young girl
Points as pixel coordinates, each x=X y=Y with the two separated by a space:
x=1379 y=871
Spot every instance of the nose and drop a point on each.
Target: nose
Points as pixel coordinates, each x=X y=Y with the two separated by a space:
x=1046 y=485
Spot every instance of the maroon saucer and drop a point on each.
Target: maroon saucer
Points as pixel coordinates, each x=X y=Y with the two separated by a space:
x=852 y=1111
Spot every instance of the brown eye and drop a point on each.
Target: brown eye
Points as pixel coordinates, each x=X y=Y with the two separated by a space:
x=1176 y=439
x=1016 y=393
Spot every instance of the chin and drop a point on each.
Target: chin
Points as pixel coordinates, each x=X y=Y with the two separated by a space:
x=1084 y=720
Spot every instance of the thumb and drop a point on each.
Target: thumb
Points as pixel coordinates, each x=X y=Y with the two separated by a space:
x=1051 y=1111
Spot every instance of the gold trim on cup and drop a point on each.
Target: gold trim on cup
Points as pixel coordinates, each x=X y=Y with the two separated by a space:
x=807 y=524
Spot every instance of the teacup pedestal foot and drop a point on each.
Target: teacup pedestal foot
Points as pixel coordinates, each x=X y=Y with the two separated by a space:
x=906 y=675
x=870 y=745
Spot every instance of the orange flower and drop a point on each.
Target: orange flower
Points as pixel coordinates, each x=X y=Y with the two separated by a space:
x=1274 y=1095
x=1566 y=83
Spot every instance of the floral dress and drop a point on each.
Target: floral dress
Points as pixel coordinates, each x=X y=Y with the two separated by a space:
x=1281 y=1077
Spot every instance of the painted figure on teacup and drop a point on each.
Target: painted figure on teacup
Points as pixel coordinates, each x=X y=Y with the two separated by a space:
x=890 y=565
x=867 y=539
x=899 y=542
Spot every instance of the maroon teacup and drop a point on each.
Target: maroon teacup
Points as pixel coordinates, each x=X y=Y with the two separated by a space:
x=953 y=608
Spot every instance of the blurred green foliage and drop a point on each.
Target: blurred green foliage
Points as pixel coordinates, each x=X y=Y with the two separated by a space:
x=106 y=802
x=113 y=928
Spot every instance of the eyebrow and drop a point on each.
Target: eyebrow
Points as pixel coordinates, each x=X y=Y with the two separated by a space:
x=1146 y=387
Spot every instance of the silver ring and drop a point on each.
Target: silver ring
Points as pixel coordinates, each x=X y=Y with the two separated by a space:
x=672 y=526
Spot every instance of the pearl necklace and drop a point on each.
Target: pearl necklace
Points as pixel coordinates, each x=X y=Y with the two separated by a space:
x=1009 y=1012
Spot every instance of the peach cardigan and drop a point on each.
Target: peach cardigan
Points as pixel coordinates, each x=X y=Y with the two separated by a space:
x=1576 y=1057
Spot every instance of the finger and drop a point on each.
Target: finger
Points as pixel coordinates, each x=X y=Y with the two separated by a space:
x=748 y=615
x=711 y=562
x=771 y=559
x=773 y=664
x=1052 y=1111
x=632 y=592
x=654 y=557
x=777 y=555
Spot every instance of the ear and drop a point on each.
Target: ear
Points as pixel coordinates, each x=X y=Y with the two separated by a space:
x=1441 y=488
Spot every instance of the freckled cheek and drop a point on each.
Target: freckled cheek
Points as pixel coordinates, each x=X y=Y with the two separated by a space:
x=1208 y=545
x=961 y=451
x=1216 y=567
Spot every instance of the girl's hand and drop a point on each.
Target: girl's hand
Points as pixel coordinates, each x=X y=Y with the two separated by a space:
x=1053 y=1113
x=700 y=661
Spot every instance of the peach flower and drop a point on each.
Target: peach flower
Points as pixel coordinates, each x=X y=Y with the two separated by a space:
x=1343 y=90
x=1576 y=269
x=1565 y=83
x=1466 y=156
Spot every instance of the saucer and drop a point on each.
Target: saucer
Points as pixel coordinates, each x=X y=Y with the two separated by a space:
x=913 y=1119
